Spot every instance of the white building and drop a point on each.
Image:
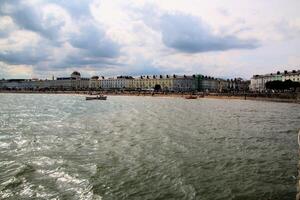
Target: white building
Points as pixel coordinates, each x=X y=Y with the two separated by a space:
x=74 y=82
x=120 y=82
x=165 y=83
x=292 y=75
x=94 y=83
x=258 y=82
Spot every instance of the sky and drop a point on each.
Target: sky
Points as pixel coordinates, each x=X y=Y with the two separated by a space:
x=227 y=39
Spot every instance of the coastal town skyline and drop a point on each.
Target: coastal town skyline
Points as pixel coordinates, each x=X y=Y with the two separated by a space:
x=226 y=40
x=134 y=75
x=174 y=83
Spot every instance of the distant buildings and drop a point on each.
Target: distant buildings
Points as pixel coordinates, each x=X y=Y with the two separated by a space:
x=292 y=75
x=94 y=82
x=258 y=82
x=207 y=83
x=175 y=83
x=120 y=82
x=74 y=82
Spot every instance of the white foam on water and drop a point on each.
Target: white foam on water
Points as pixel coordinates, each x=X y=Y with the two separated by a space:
x=4 y=144
x=6 y=194
x=81 y=188
x=46 y=161
x=27 y=190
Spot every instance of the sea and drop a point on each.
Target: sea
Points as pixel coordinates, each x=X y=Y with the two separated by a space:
x=60 y=147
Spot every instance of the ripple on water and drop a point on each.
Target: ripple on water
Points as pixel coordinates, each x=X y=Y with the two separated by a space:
x=62 y=147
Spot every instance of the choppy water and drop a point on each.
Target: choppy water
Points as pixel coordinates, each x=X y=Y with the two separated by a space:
x=63 y=147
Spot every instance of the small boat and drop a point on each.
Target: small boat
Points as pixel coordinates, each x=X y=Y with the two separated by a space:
x=191 y=97
x=96 y=98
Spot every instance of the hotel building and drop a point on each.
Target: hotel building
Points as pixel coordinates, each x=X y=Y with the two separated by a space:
x=258 y=82
x=292 y=75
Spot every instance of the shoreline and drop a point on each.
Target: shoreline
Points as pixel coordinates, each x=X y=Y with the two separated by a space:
x=170 y=95
x=270 y=99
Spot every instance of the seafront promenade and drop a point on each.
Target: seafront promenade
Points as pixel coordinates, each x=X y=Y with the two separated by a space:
x=276 y=97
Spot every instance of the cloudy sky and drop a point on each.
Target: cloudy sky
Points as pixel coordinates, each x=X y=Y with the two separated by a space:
x=41 y=38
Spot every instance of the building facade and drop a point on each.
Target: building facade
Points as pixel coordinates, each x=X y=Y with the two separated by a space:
x=120 y=82
x=184 y=83
x=165 y=83
x=74 y=82
x=258 y=82
x=175 y=83
x=292 y=75
x=207 y=83
x=94 y=83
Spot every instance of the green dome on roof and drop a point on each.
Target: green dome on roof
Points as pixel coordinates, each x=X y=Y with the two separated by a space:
x=76 y=73
x=95 y=77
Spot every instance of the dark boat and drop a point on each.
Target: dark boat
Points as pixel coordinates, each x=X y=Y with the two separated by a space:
x=96 y=98
x=191 y=97
x=201 y=96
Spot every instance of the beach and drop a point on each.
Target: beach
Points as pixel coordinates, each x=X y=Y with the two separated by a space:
x=286 y=98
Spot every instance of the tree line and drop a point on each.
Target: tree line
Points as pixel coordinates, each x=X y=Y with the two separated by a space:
x=282 y=85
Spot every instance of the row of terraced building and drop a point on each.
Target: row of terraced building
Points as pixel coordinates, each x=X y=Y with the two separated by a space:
x=176 y=83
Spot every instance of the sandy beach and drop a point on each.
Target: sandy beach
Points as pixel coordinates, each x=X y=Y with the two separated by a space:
x=295 y=99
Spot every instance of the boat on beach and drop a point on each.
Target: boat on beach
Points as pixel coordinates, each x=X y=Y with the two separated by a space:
x=101 y=97
x=191 y=97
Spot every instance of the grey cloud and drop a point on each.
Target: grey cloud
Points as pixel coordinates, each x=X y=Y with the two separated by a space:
x=6 y=26
x=5 y=32
x=30 y=17
x=189 y=34
x=146 y=70
x=94 y=42
x=95 y=47
x=4 y=5
x=75 y=7
x=77 y=59
x=143 y=66
x=27 y=56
